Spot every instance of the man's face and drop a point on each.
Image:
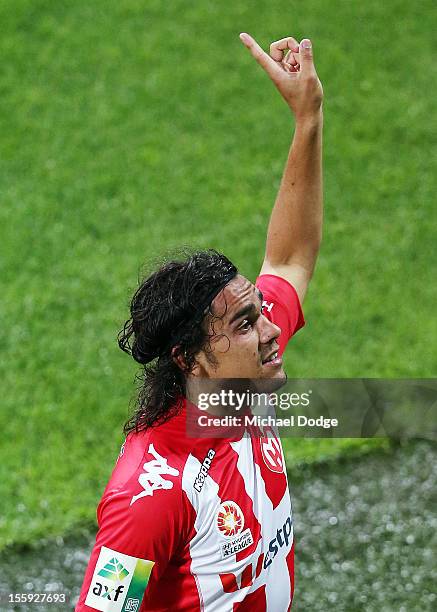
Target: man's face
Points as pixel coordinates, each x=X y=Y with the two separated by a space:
x=244 y=339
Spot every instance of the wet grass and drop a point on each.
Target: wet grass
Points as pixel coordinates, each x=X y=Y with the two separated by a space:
x=366 y=533
x=129 y=127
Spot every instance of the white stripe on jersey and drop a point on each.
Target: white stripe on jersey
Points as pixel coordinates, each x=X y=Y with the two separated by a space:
x=206 y=561
x=269 y=519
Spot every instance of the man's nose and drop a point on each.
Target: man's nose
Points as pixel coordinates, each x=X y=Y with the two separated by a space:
x=269 y=331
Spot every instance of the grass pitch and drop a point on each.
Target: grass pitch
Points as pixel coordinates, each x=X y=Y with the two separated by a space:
x=129 y=127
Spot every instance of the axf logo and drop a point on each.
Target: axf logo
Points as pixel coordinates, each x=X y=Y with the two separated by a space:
x=114 y=572
x=118 y=582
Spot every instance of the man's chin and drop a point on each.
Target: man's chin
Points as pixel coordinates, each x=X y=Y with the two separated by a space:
x=279 y=374
x=275 y=381
x=280 y=379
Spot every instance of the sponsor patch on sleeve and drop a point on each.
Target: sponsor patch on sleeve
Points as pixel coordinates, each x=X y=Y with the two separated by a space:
x=118 y=582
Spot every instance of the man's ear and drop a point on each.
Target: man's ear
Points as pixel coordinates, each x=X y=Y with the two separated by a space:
x=179 y=358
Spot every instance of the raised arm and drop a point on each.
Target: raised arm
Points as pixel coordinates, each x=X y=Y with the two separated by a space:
x=295 y=229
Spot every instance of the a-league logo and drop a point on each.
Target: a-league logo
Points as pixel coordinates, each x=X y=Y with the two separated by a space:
x=230 y=519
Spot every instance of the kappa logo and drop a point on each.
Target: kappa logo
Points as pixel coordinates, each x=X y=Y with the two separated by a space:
x=151 y=479
x=204 y=469
x=271 y=451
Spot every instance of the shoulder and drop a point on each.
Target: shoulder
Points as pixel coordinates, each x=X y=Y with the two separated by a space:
x=150 y=463
x=277 y=288
x=281 y=305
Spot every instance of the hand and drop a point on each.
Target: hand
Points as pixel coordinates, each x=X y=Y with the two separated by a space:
x=294 y=74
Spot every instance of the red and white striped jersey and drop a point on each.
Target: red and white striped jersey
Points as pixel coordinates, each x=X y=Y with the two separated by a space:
x=190 y=524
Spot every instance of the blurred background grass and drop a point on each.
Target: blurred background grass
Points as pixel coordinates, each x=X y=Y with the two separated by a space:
x=130 y=127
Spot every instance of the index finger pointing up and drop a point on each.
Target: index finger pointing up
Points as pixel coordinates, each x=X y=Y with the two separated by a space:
x=263 y=58
x=277 y=47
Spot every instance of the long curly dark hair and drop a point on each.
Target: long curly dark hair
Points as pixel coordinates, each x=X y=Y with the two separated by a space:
x=171 y=308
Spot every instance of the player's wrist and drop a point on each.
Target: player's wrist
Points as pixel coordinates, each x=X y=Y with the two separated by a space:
x=309 y=121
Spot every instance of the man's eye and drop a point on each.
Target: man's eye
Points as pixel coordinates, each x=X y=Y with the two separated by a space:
x=246 y=324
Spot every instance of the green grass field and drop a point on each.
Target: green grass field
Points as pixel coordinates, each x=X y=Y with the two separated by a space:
x=132 y=126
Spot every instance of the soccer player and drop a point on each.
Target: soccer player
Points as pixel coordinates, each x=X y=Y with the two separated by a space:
x=205 y=523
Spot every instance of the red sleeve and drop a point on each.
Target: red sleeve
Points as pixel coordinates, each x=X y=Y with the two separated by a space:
x=281 y=306
x=141 y=526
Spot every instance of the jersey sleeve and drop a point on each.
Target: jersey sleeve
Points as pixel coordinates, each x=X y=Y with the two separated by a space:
x=140 y=528
x=281 y=306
